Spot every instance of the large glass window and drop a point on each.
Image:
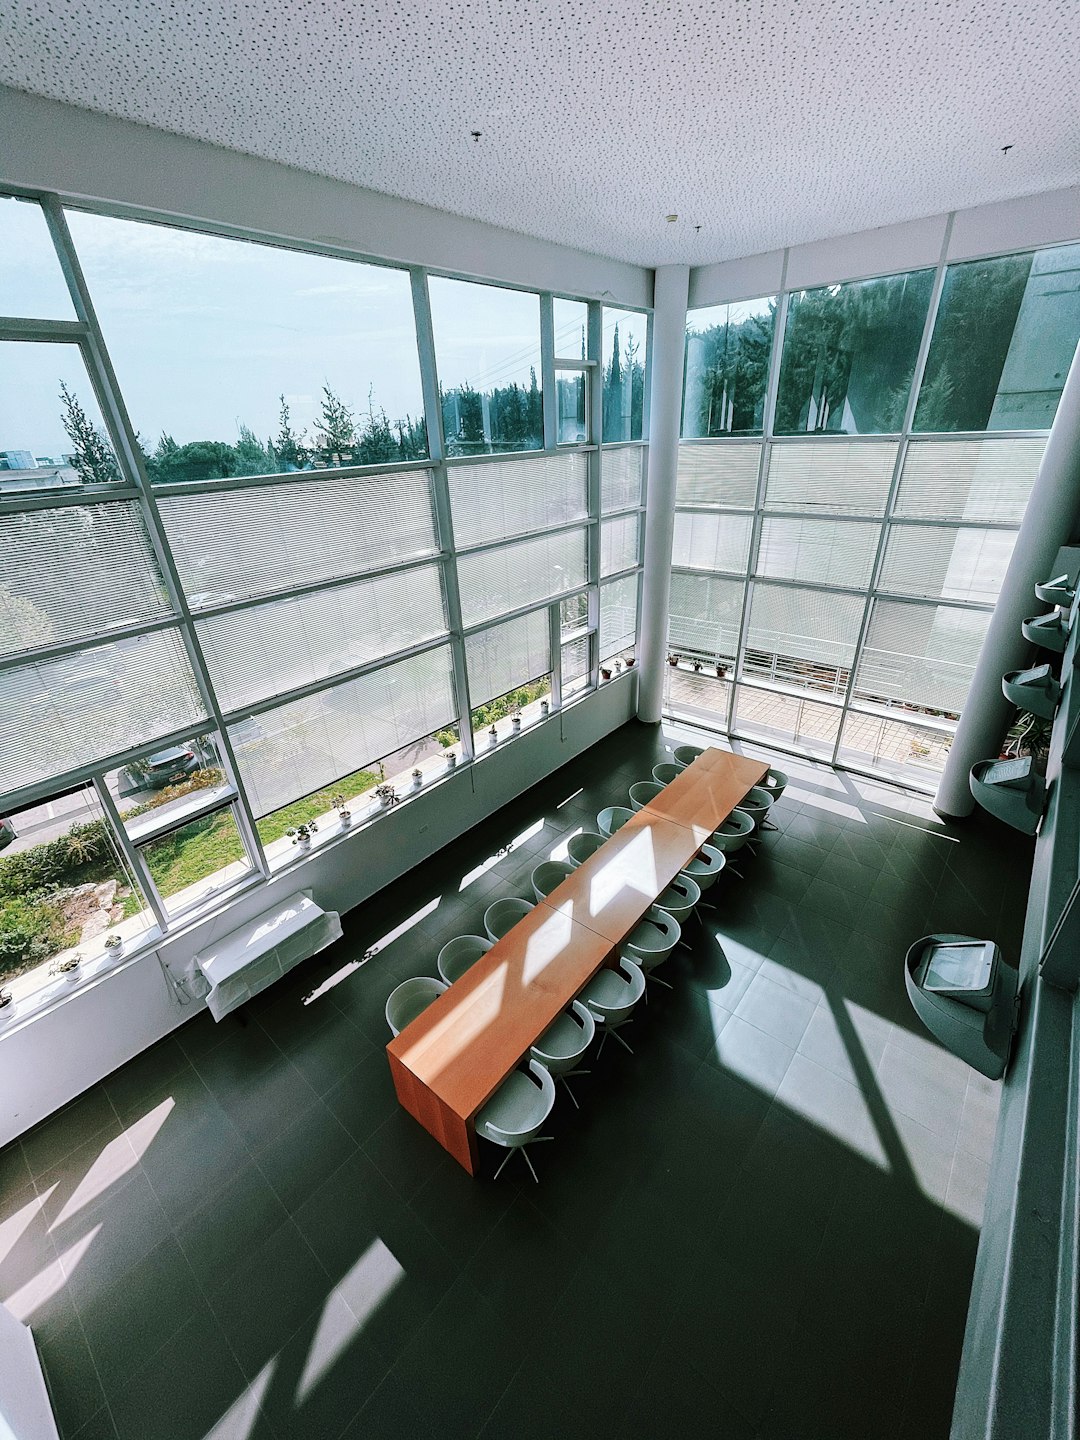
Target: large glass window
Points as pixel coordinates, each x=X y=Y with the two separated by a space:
x=727 y=368
x=52 y=436
x=849 y=355
x=571 y=319
x=624 y=357
x=487 y=349
x=238 y=358
x=1004 y=339
x=31 y=283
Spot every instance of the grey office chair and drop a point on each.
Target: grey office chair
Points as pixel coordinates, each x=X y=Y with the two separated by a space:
x=650 y=943
x=500 y=918
x=643 y=792
x=665 y=773
x=548 y=876
x=410 y=999
x=582 y=846
x=612 y=819
x=564 y=1043
x=514 y=1114
x=611 y=996
x=686 y=755
x=459 y=955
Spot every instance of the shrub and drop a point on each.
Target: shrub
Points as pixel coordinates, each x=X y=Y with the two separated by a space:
x=31 y=930
x=56 y=862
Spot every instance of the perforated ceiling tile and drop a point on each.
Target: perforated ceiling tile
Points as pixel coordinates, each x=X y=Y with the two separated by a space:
x=766 y=122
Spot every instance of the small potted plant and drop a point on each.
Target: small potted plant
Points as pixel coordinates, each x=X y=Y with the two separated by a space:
x=545 y=709
x=631 y=661
x=114 y=945
x=673 y=660
x=7 y=1004
x=386 y=795
x=301 y=834
x=605 y=673
x=417 y=778
x=618 y=667
x=515 y=724
x=344 y=813
x=493 y=736
x=68 y=968
x=697 y=666
x=451 y=759
x=721 y=670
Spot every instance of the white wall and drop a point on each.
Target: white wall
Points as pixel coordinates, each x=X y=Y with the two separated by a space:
x=52 y=1057
x=50 y=146
x=1025 y=223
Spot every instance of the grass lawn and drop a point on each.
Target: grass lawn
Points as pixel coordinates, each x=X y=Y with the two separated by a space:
x=196 y=850
x=273 y=827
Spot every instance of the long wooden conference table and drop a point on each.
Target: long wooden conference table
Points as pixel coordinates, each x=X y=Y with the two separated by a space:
x=453 y=1057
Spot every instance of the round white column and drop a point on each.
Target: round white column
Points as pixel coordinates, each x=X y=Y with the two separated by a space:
x=1049 y=522
x=672 y=284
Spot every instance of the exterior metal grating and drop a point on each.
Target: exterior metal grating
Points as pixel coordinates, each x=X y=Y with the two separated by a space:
x=283 y=645
x=231 y=544
x=704 y=541
x=494 y=582
x=621 y=474
x=839 y=477
x=987 y=480
x=504 y=498
x=78 y=570
x=920 y=654
x=801 y=636
x=721 y=473
x=508 y=655
x=820 y=552
x=946 y=562
x=619 y=547
x=305 y=745
x=73 y=710
x=705 y=614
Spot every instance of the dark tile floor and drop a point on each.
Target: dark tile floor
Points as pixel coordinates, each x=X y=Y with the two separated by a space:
x=761 y=1224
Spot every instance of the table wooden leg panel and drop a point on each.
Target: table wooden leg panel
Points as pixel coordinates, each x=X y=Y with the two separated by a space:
x=452 y=1132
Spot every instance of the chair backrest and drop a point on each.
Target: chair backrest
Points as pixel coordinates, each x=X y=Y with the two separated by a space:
x=612 y=819
x=680 y=897
x=582 y=846
x=756 y=804
x=665 y=773
x=643 y=792
x=776 y=782
x=578 y=1017
x=501 y=917
x=457 y=955
x=518 y=1111
x=656 y=934
x=410 y=999
x=733 y=834
x=686 y=755
x=548 y=876
x=705 y=867
x=635 y=977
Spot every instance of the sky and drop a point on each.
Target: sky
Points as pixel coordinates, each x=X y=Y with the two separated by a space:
x=205 y=333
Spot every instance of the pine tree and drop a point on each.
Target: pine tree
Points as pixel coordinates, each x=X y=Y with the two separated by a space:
x=335 y=432
x=94 y=460
x=534 y=414
x=252 y=458
x=289 y=450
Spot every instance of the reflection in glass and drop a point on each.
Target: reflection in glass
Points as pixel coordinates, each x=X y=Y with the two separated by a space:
x=571 y=329
x=849 y=355
x=624 y=356
x=487 y=349
x=52 y=436
x=572 y=419
x=1003 y=342
x=31 y=283
x=238 y=358
x=727 y=367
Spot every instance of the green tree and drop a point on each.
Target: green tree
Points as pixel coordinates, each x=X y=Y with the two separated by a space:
x=534 y=414
x=199 y=460
x=335 y=431
x=94 y=460
x=252 y=457
x=289 y=449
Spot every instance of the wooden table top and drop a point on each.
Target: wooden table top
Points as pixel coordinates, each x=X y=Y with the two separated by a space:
x=706 y=792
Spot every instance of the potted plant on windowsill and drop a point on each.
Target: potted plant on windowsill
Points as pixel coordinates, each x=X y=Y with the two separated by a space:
x=493 y=736
x=515 y=724
x=605 y=673
x=545 y=709
x=114 y=945
x=631 y=662
x=344 y=814
x=417 y=778
x=387 y=796
x=673 y=660
x=301 y=834
x=721 y=670
x=68 y=968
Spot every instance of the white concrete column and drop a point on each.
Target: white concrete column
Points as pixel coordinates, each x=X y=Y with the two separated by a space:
x=665 y=404
x=1049 y=522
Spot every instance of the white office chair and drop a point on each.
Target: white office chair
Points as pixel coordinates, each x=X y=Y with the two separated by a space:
x=756 y=804
x=679 y=900
x=580 y=847
x=643 y=792
x=705 y=869
x=611 y=996
x=686 y=755
x=564 y=1043
x=457 y=956
x=410 y=999
x=548 y=876
x=514 y=1114
x=651 y=942
x=776 y=782
x=612 y=819
x=732 y=835
x=665 y=773
x=501 y=917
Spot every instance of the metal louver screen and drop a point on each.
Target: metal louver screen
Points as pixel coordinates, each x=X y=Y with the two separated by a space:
x=705 y=615
x=618 y=544
x=920 y=654
x=231 y=544
x=709 y=541
x=802 y=636
x=285 y=644
x=621 y=474
x=845 y=477
x=503 y=498
x=718 y=474
x=575 y=660
x=493 y=582
x=76 y=709
x=618 y=615
x=968 y=479
x=304 y=745
x=74 y=571
x=823 y=552
x=946 y=562
x=507 y=655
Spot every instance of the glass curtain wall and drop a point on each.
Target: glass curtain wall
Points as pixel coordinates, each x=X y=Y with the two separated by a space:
x=253 y=590
x=833 y=579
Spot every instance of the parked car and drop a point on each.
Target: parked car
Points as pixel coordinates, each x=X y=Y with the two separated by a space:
x=7 y=832
x=167 y=767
